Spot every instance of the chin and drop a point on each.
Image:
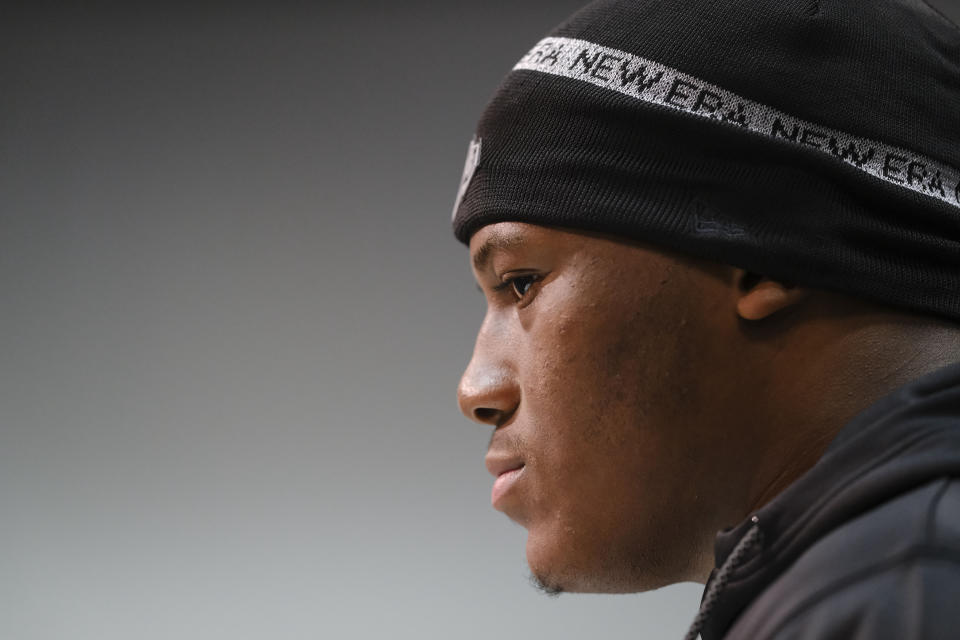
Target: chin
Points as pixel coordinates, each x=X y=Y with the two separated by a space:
x=556 y=568
x=564 y=564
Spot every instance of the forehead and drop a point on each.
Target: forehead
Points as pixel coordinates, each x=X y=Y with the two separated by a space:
x=512 y=236
x=508 y=237
x=502 y=236
x=617 y=257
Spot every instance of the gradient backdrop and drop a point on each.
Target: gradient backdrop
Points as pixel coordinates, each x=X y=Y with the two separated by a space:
x=233 y=321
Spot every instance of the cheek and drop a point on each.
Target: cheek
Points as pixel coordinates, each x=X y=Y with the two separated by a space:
x=594 y=358
x=585 y=403
x=608 y=381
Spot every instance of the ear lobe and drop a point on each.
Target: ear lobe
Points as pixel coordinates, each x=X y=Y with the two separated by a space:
x=762 y=297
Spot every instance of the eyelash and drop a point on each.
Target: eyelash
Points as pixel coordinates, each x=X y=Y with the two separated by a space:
x=511 y=283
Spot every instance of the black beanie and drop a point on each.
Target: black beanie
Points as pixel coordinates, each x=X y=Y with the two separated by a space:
x=812 y=141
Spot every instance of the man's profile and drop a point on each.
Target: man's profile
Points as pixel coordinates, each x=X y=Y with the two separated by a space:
x=720 y=247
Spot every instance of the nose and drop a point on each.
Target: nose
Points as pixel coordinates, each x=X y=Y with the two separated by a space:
x=488 y=392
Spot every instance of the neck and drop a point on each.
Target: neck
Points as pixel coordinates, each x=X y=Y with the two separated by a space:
x=829 y=371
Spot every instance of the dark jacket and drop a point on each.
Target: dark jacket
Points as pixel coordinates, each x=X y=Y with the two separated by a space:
x=866 y=544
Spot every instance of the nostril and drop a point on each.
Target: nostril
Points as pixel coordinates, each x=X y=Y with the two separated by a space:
x=488 y=392
x=488 y=416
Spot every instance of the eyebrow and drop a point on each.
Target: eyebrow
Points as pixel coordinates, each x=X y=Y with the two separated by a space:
x=497 y=241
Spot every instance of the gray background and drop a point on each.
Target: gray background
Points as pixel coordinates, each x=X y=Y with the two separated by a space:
x=233 y=321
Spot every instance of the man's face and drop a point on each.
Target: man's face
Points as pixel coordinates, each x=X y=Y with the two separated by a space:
x=595 y=364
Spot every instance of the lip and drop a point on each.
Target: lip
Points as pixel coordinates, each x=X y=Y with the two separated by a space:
x=506 y=465
x=503 y=483
x=507 y=468
x=499 y=463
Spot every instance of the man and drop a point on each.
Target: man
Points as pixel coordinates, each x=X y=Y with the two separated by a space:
x=720 y=246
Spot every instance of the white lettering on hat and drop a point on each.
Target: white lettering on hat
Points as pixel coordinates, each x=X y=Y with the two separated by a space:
x=660 y=85
x=473 y=159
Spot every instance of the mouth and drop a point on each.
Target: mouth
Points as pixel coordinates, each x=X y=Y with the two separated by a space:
x=505 y=480
x=505 y=463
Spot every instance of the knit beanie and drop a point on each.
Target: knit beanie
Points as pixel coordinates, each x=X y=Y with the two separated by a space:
x=812 y=141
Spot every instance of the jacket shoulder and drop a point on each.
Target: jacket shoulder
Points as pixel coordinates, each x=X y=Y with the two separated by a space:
x=892 y=572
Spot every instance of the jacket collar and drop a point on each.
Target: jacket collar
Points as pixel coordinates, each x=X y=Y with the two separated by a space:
x=902 y=441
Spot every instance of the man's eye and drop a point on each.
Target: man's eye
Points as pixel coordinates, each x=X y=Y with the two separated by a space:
x=520 y=285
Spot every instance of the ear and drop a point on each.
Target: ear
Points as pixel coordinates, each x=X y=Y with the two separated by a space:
x=761 y=297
